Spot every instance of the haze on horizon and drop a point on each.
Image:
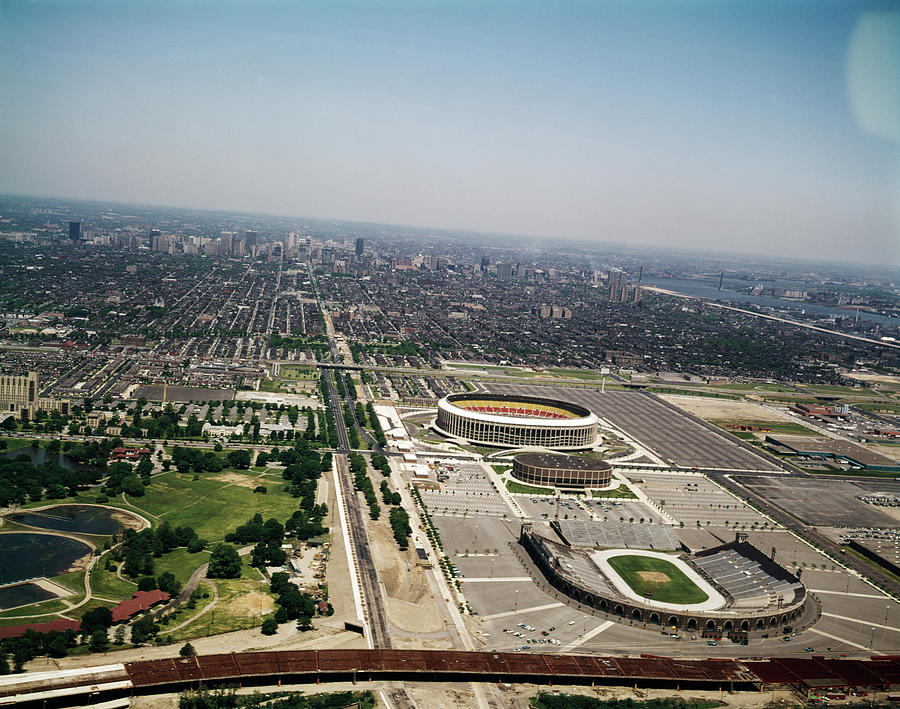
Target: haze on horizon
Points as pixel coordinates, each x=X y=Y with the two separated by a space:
x=758 y=127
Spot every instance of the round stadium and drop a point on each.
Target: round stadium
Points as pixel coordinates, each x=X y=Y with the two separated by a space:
x=560 y=470
x=516 y=421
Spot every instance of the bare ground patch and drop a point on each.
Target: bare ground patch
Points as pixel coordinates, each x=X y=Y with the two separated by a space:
x=127 y=520
x=237 y=479
x=250 y=604
x=654 y=576
x=711 y=408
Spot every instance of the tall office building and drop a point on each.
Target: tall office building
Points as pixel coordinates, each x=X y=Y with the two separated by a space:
x=617 y=288
x=21 y=395
x=359 y=248
x=74 y=231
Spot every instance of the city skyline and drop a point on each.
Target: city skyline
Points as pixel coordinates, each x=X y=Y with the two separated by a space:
x=755 y=129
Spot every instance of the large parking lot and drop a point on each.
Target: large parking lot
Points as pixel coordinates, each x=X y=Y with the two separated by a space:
x=671 y=435
x=503 y=589
x=827 y=501
x=467 y=491
x=693 y=499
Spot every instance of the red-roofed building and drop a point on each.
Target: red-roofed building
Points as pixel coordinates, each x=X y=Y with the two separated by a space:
x=141 y=601
x=60 y=624
x=128 y=453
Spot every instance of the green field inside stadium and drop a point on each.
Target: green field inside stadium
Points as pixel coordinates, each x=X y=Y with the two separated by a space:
x=657 y=579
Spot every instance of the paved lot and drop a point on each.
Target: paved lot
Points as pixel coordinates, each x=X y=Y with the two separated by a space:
x=672 y=436
x=693 y=498
x=468 y=491
x=827 y=501
x=502 y=589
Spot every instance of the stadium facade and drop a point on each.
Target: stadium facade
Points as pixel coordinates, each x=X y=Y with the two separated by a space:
x=517 y=421
x=560 y=470
x=758 y=595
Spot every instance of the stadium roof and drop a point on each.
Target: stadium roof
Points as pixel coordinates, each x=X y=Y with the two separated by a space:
x=560 y=461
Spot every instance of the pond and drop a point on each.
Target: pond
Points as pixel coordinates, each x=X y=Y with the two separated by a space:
x=38 y=456
x=28 y=555
x=23 y=594
x=86 y=519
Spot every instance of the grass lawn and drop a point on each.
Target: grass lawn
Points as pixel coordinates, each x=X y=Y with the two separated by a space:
x=180 y=562
x=832 y=389
x=270 y=385
x=500 y=469
x=14 y=615
x=243 y=603
x=676 y=588
x=13 y=444
x=880 y=407
x=752 y=386
x=74 y=581
x=183 y=614
x=519 y=488
x=78 y=613
x=214 y=506
x=293 y=371
x=107 y=585
x=577 y=373
x=621 y=492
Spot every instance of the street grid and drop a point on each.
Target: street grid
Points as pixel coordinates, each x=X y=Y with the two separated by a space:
x=674 y=437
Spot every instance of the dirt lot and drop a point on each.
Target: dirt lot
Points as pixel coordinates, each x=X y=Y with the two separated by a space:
x=249 y=604
x=409 y=602
x=237 y=479
x=709 y=408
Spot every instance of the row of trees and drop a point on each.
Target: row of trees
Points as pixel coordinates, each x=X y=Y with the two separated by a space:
x=375 y=425
x=352 y=435
x=363 y=483
x=398 y=517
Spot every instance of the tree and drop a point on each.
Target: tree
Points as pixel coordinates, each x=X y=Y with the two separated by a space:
x=99 y=640
x=143 y=630
x=96 y=619
x=224 y=562
x=187 y=651
x=147 y=583
x=55 y=644
x=166 y=582
x=269 y=626
x=239 y=459
x=119 y=637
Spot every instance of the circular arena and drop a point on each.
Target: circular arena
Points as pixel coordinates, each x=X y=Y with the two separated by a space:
x=516 y=421
x=560 y=470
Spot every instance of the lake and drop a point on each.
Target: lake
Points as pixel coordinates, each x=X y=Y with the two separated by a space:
x=28 y=555
x=86 y=519
x=38 y=456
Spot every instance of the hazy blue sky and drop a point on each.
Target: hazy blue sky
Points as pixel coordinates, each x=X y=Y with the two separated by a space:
x=757 y=126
